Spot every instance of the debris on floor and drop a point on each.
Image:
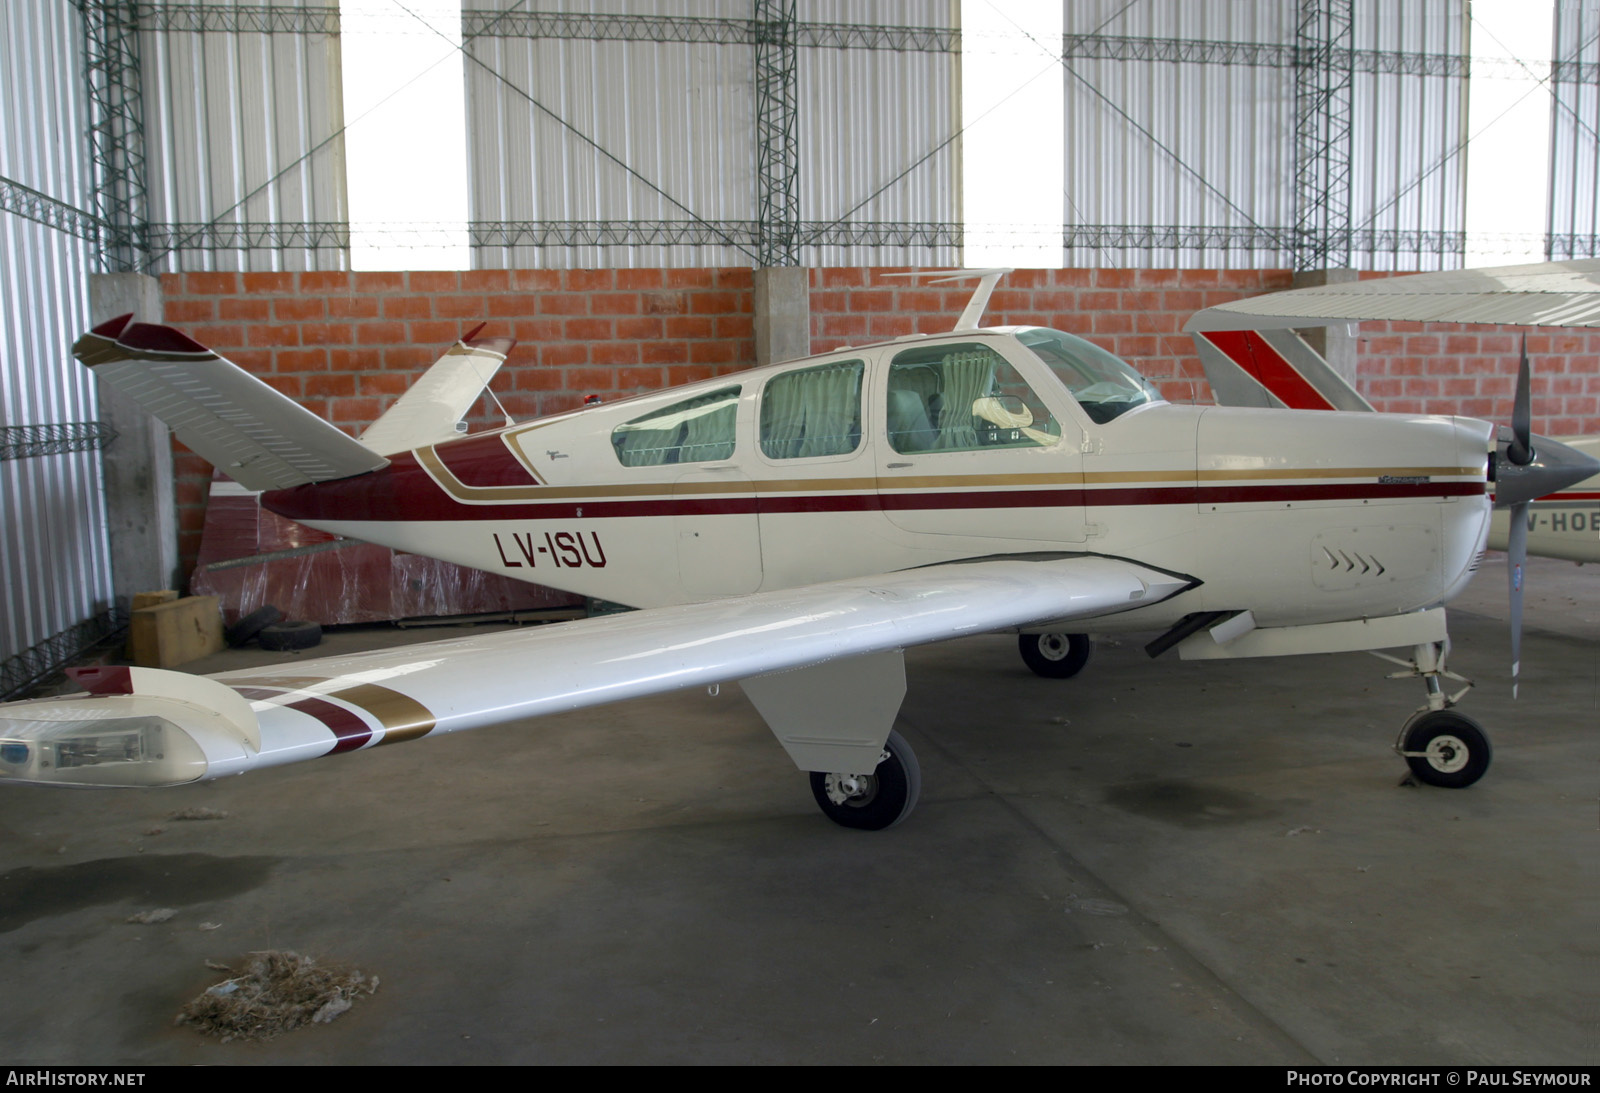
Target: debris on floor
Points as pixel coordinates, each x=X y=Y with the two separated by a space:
x=199 y=813
x=276 y=992
x=145 y=918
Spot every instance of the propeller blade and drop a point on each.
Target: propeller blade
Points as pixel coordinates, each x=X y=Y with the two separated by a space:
x=1516 y=556
x=1553 y=466
x=1520 y=450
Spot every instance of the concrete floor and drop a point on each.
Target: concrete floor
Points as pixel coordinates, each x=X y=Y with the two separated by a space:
x=1158 y=862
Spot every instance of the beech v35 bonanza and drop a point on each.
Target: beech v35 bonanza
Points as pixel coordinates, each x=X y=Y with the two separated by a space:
x=796 y=527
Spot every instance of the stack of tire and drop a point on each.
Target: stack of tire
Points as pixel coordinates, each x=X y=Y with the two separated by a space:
x=268 y=627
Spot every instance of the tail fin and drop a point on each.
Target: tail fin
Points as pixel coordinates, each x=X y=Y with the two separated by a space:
x=429 y=411
x=255 y=435
x=1273 y=368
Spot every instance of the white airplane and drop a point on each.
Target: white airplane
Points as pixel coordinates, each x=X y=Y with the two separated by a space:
x=795 y=528
x=1252 y=358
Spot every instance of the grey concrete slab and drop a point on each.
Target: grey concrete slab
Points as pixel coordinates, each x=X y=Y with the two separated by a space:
x=1156 y=862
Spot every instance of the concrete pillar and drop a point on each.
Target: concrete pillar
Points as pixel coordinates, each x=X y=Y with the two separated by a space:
x=1336 y=344
x=783 y=314
x=141 y=508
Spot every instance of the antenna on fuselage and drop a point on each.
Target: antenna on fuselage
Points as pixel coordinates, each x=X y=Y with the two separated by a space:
x=987 y=279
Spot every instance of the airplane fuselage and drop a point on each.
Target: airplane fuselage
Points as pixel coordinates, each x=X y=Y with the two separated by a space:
x=935 y=449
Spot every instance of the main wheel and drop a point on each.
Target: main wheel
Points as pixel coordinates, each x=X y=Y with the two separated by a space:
x=1055 y=656
x=1445 y=748
x=873 y=801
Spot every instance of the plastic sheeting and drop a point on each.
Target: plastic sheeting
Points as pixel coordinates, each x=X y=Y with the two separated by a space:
x=250 y=558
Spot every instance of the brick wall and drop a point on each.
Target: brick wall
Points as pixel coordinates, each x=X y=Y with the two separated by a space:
x=347 y=345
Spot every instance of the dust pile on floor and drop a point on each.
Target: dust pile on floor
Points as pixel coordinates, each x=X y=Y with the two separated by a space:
x=276 y=992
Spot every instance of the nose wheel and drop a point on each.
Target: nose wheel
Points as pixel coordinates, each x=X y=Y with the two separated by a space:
x=874 y=801
x=1445 y=748
x=1055 y=656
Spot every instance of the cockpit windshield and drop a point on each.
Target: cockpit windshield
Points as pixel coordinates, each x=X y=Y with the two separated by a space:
x=1104 y=385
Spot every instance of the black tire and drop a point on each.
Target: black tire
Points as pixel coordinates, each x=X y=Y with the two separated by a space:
x=252 y=624
x=284 y=636
x=1055 y=656
x=1453 y=749
x=882 y=798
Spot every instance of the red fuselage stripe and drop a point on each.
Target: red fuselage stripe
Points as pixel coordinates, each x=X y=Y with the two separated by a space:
x=322 y=503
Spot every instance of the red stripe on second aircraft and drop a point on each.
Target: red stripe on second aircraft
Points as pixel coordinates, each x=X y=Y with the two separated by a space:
x=1250 y=351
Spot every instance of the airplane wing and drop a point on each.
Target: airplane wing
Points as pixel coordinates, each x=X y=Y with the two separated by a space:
x=429 y=410
x=262 y=439
x=817 y=661
x=1538 y=294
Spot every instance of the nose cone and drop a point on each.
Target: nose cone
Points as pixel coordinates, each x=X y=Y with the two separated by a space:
x=1555 y=466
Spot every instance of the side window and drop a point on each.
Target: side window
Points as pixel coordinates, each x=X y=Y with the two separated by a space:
x=696 y=430
x=960 y=398
x=812 y=411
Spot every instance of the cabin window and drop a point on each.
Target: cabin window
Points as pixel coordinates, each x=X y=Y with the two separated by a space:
x=697 y=430
x=962 y=398
x=812 y=411
x=1104 y=385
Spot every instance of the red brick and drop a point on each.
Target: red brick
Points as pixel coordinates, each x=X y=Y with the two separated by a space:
x=639 y=329
x=211 y=284
x=407 y=307
x=1114 y=278
x=590 y=280
x=409 y=358
x=1443 y=366
x=890 y=326
x=322 y=281
x=614 y=303
x=485 y=280
x=688 y=327
x=537 y=330
x=188 y=311
x=563 y=303
x=352 y=307
x=739 y=278
x=257 y=361
x=639 y=279
x=714 y=303
x=689 y=278
x=536 y=280
x=587 y=330
x=355 y=360
x=664 y=352
x=712 y=353
x=735 y=326
x=637 y=379
x=871 y=301
x=244 y=309
x=434 y=336
x=330 y=384
x=614 y=353
x=380 y=282
x=268 y=282
x=382 y=333
x=171 y=285
x=556 y=355
x=680 y=374
x=433 y=280
x=584 y=380
x=513 y=304
x=301 y=360
x=324 y=333
x=298 y=309
x=538 y=379
x=460 y=307
x=664 y=303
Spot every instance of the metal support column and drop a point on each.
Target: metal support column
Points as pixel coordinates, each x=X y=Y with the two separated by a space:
x=777 y=144
x=116 y=131
x=1323 y=105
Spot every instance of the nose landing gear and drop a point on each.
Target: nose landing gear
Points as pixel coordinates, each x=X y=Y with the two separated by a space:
x=1441 y=746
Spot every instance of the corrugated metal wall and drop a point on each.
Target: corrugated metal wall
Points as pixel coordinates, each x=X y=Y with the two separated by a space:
x=551 y=113
x=54 y=570
x=242 y=114
x=1575 y=133
x=1181 y=133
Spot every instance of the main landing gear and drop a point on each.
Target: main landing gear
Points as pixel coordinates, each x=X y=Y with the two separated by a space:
x=872 y=802
x=1055 y=656
x=1441 y=746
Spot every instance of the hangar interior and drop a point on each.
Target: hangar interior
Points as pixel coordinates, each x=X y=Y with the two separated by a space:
x=643 y=194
